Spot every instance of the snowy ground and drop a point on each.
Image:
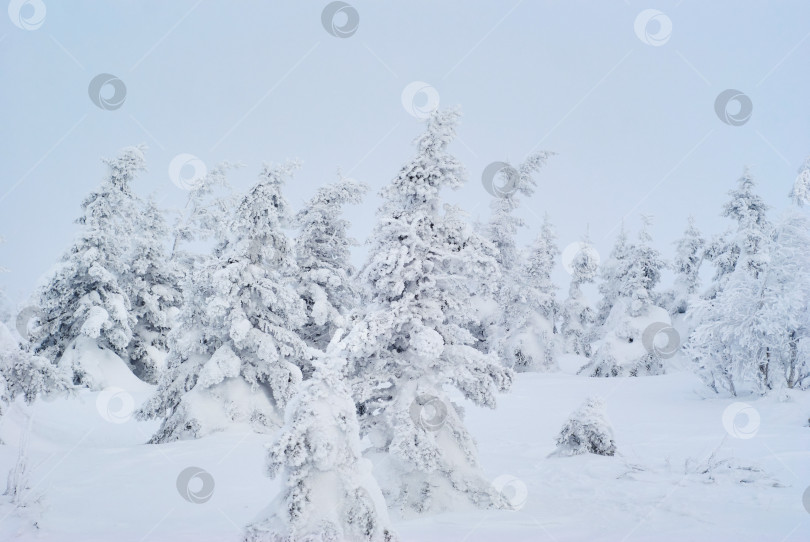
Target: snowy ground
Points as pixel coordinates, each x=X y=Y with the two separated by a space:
x=95 y=480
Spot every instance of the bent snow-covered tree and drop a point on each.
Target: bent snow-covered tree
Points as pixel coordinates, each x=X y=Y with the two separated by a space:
x=413 y=339
x=235 y=356
x=329 y=491
x=84 y=296
x=326 y=276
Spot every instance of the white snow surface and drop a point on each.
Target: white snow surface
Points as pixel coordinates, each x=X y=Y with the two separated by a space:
x=97 y=481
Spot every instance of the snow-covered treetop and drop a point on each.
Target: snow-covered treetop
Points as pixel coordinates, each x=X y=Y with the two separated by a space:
x=205 y=213
x=747 y=208
x=126 y=166
x=322 y=236
x=584 y=265
x=419 y=182
x=261 y=215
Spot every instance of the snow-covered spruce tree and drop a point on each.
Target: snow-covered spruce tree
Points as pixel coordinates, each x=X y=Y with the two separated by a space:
x=734 y=296
x=587 y=431
x=25 y=374
x=577 y=315
x=200 y=221
x=534 y=341
x=329 y=491
x=514 y=313
x=752 y=229
x=84 y=296
x=785 y=305
x=800 y=194
x=612 y=276
x=750 y=337
x=235 y=356
x=691 y=249
x=623 y=351
x=644 y=273
x=152 y=285
x=412 y=339
x=722 y=252
x=326 y=276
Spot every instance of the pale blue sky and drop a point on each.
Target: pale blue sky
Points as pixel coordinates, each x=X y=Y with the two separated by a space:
x=634 y=124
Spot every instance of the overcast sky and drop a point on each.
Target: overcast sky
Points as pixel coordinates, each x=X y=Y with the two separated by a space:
x=626 y=97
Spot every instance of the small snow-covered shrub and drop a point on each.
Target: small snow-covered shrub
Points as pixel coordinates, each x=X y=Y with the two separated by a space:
x=587 y=431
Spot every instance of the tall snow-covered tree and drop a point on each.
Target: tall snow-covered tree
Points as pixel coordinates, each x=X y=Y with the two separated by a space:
x=751 y=336
x=236 y=356
x=329 y=491
x=784 y=305
x=412 y=340
x=509 y=289
x=623 y=350
x=577 y=314
x=84 y=295
x=727 y=342
x=751 y=231
x=326 y=276
x=612 y=275
x=534 y=340
x=749 y=211
x=645 y=268
x=152 y=284
x=691 y=249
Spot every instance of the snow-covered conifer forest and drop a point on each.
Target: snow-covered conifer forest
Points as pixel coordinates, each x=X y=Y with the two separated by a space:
x=251 y=293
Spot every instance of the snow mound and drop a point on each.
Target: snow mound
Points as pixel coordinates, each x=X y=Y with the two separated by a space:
x=100 y=368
